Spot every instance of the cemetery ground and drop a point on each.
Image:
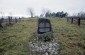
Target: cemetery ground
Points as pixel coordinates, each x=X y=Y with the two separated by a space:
x=14 y=39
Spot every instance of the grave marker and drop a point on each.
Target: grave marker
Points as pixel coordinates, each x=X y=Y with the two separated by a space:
x=44 y=26
x=44 y=29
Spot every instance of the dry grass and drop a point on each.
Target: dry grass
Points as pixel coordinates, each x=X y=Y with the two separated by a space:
x=70 y=36
x=14 y=39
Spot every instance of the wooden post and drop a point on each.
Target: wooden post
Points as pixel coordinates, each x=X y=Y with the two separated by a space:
x=19 y=19
x=71 y=20
x=9 y=19
x=16 y=20
x=1 y=21
x=67 y=19
x=78 y=21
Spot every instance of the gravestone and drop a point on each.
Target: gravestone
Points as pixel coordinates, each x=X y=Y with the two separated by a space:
x=43 y=45
x=44 y=26
x=44 y=29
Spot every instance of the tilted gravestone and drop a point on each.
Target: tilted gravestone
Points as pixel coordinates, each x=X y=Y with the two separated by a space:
x=44 y=29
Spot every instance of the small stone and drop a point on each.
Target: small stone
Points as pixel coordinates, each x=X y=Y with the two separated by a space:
x=41 y=49
x=55 y=52
x=44 y=47
x=46 y=53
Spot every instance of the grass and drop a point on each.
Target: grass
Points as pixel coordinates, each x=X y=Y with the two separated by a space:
x=71 y=37
x=14 y=39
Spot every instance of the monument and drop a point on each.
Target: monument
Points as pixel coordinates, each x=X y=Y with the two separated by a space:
x=43 y=43
x=44 y=26
x=44 y=29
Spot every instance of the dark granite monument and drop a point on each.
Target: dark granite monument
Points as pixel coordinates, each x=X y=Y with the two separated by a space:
x=44 y=29
x=44 y=26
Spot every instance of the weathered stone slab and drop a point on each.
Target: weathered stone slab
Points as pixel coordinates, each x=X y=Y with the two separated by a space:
x=42 y=42
x=44 y=29
x=44 y=26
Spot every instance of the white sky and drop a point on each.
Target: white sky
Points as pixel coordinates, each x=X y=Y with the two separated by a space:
x=19 y=7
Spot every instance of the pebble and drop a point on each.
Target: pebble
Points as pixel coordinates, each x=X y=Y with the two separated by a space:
x=44 y=47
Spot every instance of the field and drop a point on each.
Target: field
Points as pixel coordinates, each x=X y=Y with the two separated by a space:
x=14 y=39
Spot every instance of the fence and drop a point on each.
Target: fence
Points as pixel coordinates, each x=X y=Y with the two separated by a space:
x=7 y=21
x=76 y=20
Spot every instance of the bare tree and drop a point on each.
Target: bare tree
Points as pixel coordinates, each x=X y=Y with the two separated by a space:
x=81 y=14
x=44 y=11
x=2 y=14
x=30 y=11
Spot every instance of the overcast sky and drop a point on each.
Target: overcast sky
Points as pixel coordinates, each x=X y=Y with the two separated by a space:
x=19 y=7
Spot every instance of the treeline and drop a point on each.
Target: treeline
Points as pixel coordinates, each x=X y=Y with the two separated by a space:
x=57 y=14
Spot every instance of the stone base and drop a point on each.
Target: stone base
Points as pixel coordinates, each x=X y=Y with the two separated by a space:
x=45 y=37
x=43 y=48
